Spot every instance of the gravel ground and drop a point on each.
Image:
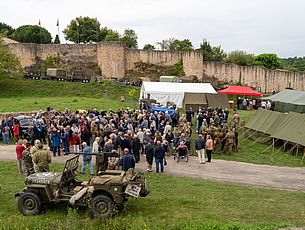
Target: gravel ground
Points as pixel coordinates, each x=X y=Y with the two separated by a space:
x=286 y=178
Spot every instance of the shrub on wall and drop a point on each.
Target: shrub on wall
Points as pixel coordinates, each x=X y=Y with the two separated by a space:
x=9 y=63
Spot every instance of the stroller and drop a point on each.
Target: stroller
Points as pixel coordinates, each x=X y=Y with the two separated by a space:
x=182 y=152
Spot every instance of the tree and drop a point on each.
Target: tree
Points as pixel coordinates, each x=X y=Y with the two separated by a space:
x=112 y=35
x=84 y=30
x=6 y=30
x=181 y=45
x=32 y=34
x=130 y=38
x=211 y=53
x=9 y=63
x=165 y=44
x=56 y=40
x=240 y=58
x=270 y=61
x=293 y=63
x=149 y=47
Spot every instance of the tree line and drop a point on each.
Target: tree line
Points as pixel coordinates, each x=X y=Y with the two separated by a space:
x=89 y=30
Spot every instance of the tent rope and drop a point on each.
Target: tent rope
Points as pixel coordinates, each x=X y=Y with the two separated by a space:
x=270 y=146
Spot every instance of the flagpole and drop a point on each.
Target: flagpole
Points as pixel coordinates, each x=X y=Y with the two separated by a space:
x=58 y=28
x=40 y=31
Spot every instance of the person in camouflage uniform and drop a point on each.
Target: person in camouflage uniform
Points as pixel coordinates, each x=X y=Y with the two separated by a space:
x=35 y=147
x=203 y=130
x=236 y=119
x=229 y=141
x=27 y=160
x=235 y=146
x=42 y=159
x=224 y=131
x=217 y=140
x=211 y=131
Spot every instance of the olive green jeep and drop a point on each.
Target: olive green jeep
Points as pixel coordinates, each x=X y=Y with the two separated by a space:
x=103 y=194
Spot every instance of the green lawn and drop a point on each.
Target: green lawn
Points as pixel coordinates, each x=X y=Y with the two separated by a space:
x=31 y=95
x=174 y=203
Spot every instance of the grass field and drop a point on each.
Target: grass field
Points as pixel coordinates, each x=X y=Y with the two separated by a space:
x=32 y=95
x=174 y=203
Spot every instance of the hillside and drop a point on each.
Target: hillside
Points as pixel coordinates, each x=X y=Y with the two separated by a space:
x=27 y=95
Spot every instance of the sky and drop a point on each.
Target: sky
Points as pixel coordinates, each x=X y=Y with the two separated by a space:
x=254 y=26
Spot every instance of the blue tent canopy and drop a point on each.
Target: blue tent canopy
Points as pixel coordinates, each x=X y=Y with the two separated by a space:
x=162 y=109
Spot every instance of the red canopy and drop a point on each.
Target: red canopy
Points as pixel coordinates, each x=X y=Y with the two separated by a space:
x=240 y=90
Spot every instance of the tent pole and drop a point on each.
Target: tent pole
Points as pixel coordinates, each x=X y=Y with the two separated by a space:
x=303 y=155
x=273 y=144
x=285 y=146
x=297 y=153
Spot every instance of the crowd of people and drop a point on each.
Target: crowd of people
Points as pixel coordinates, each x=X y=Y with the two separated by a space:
x=120 y=139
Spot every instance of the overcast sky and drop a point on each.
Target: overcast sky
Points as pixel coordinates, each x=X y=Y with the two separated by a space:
x=255 y=26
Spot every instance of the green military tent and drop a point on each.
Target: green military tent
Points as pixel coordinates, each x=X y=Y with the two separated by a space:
x=288 y=100
x=262 y=125
x=292 y=129
x=266 y=126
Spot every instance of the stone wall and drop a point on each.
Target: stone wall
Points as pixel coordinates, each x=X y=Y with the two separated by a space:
x=255 y=76
x=25 y=52
x=69 y=52
x=192 y=61
x=114 y=60
x=111 y=59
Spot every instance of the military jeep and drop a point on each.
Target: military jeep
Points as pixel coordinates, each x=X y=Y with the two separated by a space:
x=103 y=194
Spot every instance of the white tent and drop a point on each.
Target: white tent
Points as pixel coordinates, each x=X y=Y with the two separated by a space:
x=173 y=92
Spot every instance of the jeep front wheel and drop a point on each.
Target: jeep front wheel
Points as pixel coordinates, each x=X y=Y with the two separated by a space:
x=102 y=207
x=29 y=204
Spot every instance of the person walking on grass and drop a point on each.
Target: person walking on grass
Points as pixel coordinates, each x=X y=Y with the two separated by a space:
x=87 y=159
x=42 y=159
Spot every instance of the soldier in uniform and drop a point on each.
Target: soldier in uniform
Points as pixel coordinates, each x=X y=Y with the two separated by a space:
x=42 y=159
x=203 y=130
x=235 y=131
x=211 y=131
x=229 y=141
x=27 y=160
x=35 y=147
x=236 y=119
x=217 y=141
x=176 y=136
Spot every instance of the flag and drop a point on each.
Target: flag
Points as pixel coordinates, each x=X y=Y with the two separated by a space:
x=57 y=24
x=39 y=23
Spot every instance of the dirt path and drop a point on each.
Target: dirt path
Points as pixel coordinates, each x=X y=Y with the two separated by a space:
x=286 y=178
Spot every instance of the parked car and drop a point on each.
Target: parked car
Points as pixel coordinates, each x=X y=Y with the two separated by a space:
x=25 y=123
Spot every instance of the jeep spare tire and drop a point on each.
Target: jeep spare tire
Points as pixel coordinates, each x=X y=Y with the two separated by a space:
x=29 y=204
x=102 y=207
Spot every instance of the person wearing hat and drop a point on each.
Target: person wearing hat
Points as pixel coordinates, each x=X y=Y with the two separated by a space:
x=42 y=159
x=87 y=159
x=27 y=160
